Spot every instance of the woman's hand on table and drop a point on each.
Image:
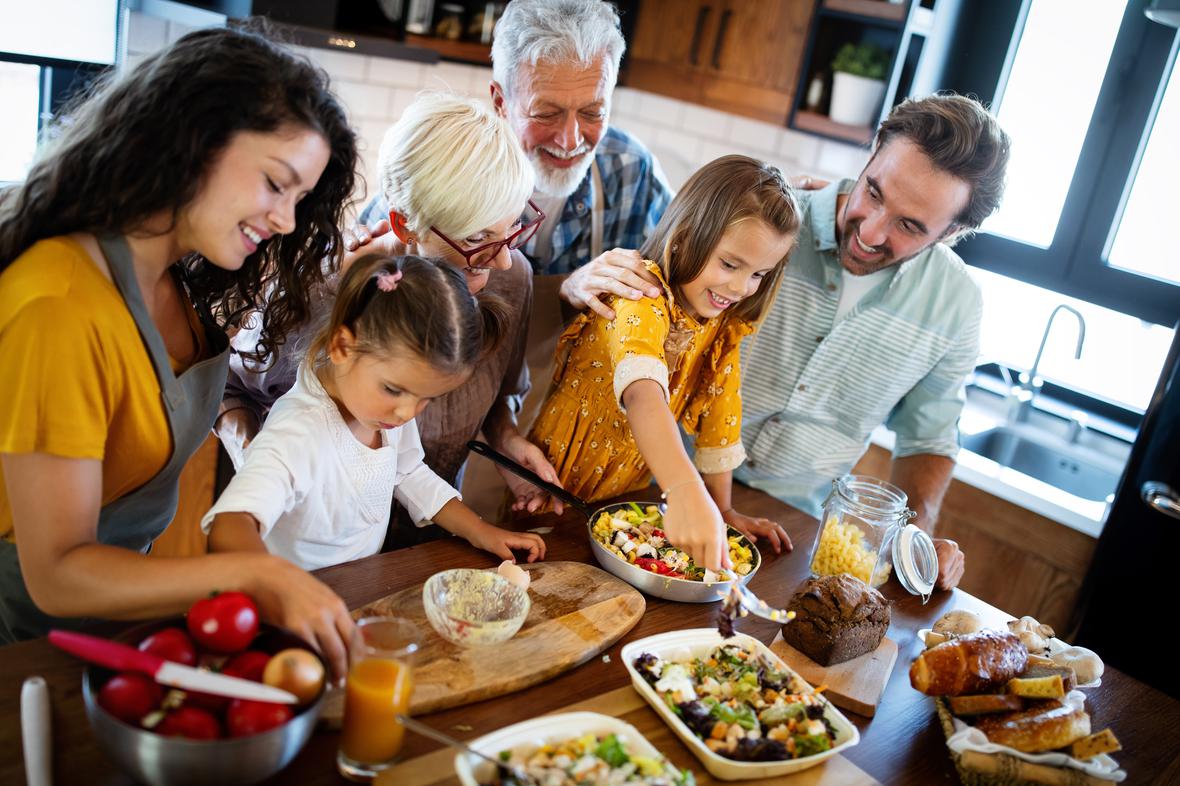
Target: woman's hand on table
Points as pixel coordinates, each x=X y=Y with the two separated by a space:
x=619 y=271
x=527 y=496
x=753 y=528
x=292 y=598
x=694 y=525
x=951 y=564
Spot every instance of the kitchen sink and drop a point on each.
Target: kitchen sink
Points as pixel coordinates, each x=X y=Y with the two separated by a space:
x=1072 y=468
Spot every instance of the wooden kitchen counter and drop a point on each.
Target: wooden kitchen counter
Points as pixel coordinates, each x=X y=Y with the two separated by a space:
x=903 y=744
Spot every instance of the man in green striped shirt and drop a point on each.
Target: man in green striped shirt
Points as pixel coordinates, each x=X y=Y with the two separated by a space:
x=877 y=320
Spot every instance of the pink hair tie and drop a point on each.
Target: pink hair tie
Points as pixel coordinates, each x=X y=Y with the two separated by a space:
x=386 y=281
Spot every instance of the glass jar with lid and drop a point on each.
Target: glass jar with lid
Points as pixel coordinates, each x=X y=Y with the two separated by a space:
x=865 y=532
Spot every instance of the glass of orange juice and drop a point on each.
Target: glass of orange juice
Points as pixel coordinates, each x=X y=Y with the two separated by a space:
x=380 y=681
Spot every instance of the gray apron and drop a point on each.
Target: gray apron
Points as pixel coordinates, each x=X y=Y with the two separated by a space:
x=136 y=519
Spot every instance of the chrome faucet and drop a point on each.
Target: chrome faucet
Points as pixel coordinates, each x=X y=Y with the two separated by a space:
x=1030 y=383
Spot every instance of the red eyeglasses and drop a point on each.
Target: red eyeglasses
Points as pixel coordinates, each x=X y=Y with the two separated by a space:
x=482 y=256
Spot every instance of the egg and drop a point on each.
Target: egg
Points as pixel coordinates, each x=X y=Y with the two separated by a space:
x=514 y=573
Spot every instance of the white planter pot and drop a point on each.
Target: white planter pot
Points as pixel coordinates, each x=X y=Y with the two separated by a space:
x=856 y=100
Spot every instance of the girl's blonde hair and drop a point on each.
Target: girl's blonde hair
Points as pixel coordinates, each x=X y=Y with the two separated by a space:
x=719 y=195
x=451 y=162
x=429 y=312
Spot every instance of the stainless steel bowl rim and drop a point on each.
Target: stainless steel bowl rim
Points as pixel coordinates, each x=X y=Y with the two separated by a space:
x=662 y=586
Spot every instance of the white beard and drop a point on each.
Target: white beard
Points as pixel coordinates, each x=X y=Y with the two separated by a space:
x=560 y=182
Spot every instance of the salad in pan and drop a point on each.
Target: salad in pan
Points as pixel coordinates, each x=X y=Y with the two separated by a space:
x=636 y=536
x=741 y=705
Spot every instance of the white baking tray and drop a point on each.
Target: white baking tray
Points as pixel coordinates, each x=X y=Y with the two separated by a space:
x=684 y=644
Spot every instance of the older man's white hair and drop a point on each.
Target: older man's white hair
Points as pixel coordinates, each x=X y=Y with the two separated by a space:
x=555 y=31
x=453 y=163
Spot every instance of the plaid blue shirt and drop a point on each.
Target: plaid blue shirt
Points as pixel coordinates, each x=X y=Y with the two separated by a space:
x=634 y=197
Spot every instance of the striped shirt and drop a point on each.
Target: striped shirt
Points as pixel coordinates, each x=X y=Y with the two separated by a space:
x=813 y=388
x=634 y=196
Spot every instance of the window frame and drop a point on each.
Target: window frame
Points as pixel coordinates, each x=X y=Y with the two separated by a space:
x=1075 y=262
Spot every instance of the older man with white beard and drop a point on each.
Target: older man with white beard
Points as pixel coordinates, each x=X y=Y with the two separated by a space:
x=554 y=67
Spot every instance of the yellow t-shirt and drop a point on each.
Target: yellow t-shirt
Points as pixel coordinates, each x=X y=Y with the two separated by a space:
x=77 y=380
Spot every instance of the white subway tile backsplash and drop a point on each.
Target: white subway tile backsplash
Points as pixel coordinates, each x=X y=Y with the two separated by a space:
x=393 y=72
x=146 y=34
x=339 y=64
x=836 y=160
x=711 y=150
x=797 y=146
x=452 y=77
x=754 y=135
x=645 y=132
x=363 y=101
x=625 y=101
x=687 y=146
x=661 y=110
x=402 y=98
x=706 y=123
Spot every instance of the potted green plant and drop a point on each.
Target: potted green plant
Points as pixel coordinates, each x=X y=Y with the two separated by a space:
x=858 y=83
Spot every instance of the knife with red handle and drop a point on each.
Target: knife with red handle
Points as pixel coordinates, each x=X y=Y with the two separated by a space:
x=121 y=657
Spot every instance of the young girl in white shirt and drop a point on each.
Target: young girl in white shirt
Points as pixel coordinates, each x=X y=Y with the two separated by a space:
x=317 y=483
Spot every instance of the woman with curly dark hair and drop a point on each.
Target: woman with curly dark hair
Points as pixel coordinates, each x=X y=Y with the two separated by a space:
x=175 y=198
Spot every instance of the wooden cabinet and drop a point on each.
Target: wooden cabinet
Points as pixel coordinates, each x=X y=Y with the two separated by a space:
x=734 y=55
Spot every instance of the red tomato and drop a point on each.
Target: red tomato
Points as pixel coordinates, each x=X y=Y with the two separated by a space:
x=130 y=696
x=171 y=644
x=226 y=622
x=190 y=722
x=246 y=717
x=248 y=665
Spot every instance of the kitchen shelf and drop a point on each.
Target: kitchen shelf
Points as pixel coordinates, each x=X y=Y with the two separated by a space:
x=876 y=9
x=822 y=124
x=464 y=51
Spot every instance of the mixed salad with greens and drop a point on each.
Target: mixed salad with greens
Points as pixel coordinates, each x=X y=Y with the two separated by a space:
x=590 y=760
x=741 y=705
x=636 y=535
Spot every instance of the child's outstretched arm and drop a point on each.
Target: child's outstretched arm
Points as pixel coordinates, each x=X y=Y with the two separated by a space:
x=458 y=519
x=693 y=522
x=235 y=532
x=720 y=485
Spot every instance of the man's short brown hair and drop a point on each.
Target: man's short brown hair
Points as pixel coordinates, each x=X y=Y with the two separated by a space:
x=960 y=138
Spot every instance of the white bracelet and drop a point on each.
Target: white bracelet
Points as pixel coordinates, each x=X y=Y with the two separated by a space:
x=664 y=494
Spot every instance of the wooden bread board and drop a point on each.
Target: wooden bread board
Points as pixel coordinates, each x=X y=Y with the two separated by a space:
x=577 y=611
x=438 y=768
x=855 y=685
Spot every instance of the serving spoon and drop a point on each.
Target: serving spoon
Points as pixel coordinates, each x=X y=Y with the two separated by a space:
x=514 y=774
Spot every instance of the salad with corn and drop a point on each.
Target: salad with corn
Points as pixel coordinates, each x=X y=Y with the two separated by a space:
x=636 y=536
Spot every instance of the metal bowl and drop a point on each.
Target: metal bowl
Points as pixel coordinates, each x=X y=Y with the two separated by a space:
x=474 y=607
x=682 y=590
x=174 y=761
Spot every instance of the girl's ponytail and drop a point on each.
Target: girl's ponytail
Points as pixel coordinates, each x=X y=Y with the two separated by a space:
x=414 y=304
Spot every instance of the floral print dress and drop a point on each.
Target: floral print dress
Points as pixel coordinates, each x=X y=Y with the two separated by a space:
x=582 y=426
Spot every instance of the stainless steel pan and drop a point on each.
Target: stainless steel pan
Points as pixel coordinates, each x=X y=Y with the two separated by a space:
x=682 y=590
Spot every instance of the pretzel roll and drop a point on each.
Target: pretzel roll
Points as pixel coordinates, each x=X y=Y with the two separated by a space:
x=980 y=662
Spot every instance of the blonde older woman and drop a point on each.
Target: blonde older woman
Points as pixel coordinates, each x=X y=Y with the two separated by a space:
x=458 y=186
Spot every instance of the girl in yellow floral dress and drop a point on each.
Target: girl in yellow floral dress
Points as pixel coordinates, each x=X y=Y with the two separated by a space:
x=622 y=387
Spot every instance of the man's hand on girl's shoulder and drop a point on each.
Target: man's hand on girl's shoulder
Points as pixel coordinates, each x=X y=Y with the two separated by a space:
x=619 y=271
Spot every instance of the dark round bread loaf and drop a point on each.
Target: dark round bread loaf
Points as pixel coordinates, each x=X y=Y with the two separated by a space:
x=838 y=618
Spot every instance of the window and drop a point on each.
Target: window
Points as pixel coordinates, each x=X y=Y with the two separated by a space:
x=1046 y=107
x=1102 y=235
x=20 y=95
x=1014 y=318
